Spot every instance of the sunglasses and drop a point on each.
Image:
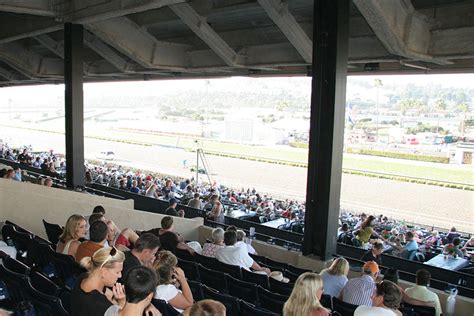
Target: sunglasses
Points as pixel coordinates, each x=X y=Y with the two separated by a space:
x=111 y=255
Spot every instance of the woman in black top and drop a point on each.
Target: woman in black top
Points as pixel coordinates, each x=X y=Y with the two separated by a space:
x=97 y=290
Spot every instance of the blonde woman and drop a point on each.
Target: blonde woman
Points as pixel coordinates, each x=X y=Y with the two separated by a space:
x=75 y=229
x=335 y=277
x=104 y=269
x=169 y=278
x=304 y=299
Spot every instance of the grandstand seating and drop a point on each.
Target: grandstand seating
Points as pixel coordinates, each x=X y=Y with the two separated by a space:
x=280 y=287
x=257 y=278
x=53 y=231
x=343 y=308
x=247 y=309
x=231 y=303
x=246 y=291
x=272 y=301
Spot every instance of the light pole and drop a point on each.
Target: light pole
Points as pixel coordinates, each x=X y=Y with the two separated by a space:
x=378 y=83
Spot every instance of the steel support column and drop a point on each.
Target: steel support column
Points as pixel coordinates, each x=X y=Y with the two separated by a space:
x=74 y=104
x=326 y=136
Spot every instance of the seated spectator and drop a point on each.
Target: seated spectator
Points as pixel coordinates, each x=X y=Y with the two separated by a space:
x=242 y=243
x=171 y=210
x=374 y=254
x=236 y=256
x=385 y=301
x=358 y=291
x=420 y=290
x=206 y=308
x=122 y=239
x=134 y=188
x=210 y=249
x=392 y=275
x=451 y=235
x=143 y=253
x=304 y=299
x=453 y=248
x=74 y=230
x=409 y=250
x=152 y=192
x=432 y=240
x=169 y=239
x=104 y=268
x=335 y=277
x=48 y=182
x=195 y=202
x=98 y=235
x=168 y=272
x=140 y=285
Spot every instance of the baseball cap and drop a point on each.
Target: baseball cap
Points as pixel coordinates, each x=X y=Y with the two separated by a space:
x=371 y=266
x=277 y=275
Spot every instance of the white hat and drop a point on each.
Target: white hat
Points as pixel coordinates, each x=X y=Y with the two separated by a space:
x=277 y=275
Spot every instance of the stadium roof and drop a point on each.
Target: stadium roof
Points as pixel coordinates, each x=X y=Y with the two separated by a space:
x=164 y=39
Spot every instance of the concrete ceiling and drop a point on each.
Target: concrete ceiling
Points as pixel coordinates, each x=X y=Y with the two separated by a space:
x=164 y=39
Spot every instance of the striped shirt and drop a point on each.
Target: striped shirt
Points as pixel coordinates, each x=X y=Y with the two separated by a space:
x=358 y=291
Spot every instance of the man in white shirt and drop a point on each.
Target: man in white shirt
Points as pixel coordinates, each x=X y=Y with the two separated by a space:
x=385 y=301
x=237 y=256
x=421 y=292
x=241 y=243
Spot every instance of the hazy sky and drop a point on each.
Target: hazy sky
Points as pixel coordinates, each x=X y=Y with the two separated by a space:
x=157 y=88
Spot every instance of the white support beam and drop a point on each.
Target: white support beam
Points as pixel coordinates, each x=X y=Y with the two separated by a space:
x=126 y=36
x=33 y=7
x=400 y=28
x=201 y=28
x=282 y=17
x=30 y=63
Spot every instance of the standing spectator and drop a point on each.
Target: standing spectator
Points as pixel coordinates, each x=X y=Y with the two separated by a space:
x=335 y=277
x=420 y=290
x=304 y=299
x=358 y=291
x=366 y=230
x=385 y=301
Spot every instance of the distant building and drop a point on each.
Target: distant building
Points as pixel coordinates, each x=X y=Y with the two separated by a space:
x=464 y=154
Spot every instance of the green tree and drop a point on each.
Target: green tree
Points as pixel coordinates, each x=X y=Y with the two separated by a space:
x=440 y=105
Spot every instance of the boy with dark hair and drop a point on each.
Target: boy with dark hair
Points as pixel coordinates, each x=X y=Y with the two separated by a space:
x=140 y=284
x=385 y=301
x=98 y=235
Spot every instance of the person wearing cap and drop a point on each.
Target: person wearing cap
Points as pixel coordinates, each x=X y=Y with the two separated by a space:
x=171 y=210
x=358 y=291
x=386 y=300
